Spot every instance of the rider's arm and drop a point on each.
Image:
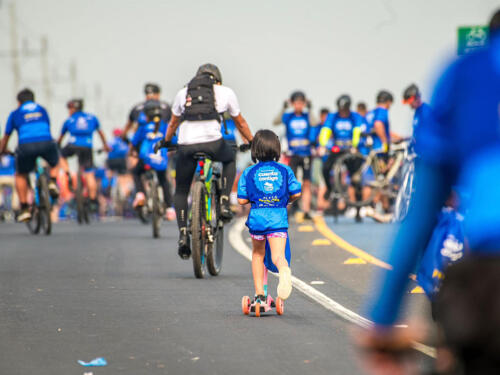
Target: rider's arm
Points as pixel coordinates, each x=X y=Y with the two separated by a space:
x=379 y=128
x=294 y=197
x=3 y=143
x=172 y=127
x=243 y=128
x=278 y=120
x=64 y=130
x=9 y=128
x=105 y=145
x=326 y=131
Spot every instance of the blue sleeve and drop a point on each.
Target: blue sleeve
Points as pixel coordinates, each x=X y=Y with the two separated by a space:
x=329 y=121
x=294 y=186
x=65 y=127
x=11 y=125
x=242 y=185
x=97 y=124
x=45 y=115
x=285 y=119
x=137 y=136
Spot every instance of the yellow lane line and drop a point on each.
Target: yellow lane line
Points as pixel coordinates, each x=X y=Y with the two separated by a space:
x=321 y=226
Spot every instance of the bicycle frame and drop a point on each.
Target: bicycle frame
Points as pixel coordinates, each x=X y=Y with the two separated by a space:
x=205 y=175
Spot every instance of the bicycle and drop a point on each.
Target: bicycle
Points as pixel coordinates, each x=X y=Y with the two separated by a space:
x=42 y=202
x=406 y=189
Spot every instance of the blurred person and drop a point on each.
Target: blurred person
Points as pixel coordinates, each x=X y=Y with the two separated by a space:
x=7 y=180
x=117 y=160
x=362 y=109
x=318 y=160
x=81 y=127
x=298 y=123
x=196 y=112
x=450 y=152
x=32 y=124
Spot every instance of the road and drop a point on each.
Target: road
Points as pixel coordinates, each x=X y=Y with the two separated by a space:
x=110 y=290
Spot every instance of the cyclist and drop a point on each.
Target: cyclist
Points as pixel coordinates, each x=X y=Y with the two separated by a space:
x=137 y=117
x=117 y=159
x=81 y=127
x=378 y=121
x=32 y=124
x=298 y=122
x=450 y=151
x=361 y=109
x=345 y=127
x=143 y=142
x=197 y=112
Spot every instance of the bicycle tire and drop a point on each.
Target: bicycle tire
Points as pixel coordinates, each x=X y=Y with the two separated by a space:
x=156 y=210
x=80 y=200
x=34 y=223
x=198 y=229
x=44 y=206
x=403 y=198
x=342 y=190
x=215 y=250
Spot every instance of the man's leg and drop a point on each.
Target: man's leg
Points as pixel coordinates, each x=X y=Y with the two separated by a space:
x=327 y=167
x=306 y=188
x=137 y=172
x=91 y=184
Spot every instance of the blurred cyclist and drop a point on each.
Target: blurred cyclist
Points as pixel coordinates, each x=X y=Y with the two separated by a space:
x=32 y=124
x=317 y=162
x=361 y=109
x=81 y=127
x=378 y=121
x=298 y=123
x=117 y=160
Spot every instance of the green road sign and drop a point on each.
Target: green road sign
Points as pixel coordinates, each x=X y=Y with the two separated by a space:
x=471 y=38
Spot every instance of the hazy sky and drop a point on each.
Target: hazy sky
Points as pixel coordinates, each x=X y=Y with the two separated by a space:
x=265 y=49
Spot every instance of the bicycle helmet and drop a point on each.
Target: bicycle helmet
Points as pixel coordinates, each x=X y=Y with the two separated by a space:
x=151 y=88
x=152 y=110
x=76 y=104
x=344 y=102
x=298 y=95
x=384 y=96
x=410 y=93
x=211 y=70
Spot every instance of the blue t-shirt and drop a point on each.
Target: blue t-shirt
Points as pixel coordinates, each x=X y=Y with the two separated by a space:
x=268 y=186
x=298 y=133
x=342 y=127
x=119 y=148
x=7 y=165
x=382 y=115
x=31 y=122
x=231 y=130
x=422 y=114
x=81 y=127
x=145 y=138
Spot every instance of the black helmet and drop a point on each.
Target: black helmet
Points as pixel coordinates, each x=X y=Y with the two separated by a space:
x=212 y=70
x=384 y=96
x=151 y=88
x=297 y=95
x=25 y=95
x=411 y=91
x=152 y=109
x=344 y=102
x=76 y=104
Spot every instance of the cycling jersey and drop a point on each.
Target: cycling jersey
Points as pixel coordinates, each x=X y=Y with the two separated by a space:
x=81 y=127
x=146 y=138
x=119 y=148
x=422 y=114
x=341 y=129
x=268 y=186
x=461 y=145
x=298 y=133
x=382 y=115
x=31 y=122
x=7 y=165
x=231 y=130
x=137 y=113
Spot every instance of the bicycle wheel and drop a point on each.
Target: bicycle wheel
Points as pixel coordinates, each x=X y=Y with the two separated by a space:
x=402 y=203
x=198 y=225
x=45 y=205
x=80 y=201
x=156 y=209
x=34 y=224
x=215 y=249
x=352 y=172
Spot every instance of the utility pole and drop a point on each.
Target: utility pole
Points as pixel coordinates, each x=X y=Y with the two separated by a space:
x=16 y=69
x=44 y=61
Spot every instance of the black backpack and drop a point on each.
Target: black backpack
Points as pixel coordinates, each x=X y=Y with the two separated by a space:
x=200 y=100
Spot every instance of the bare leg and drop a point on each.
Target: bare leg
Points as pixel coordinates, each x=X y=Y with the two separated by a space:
x=22 y=187
x=63 y=165
x=278 y=245
x=259 y=251
x=306 y=196
x=91 y=184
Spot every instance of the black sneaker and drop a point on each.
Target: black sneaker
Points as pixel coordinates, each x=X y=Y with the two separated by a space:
x=225 y=210
x=326 y=195
x=184 y=250
x=307 y=216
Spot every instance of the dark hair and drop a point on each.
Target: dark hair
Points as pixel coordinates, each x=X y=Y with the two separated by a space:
x=495 y=24
x=361 y=106
x=384 y=96
x=297 y=95
x=467 y=308
x=25 y=95
x=151 y=88
x=76 y=104
x=265 y=146
x=324 y=111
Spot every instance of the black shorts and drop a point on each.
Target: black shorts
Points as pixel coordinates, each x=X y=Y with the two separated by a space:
x=117 y=165
x=303 y=162
x=84 y=154
x=27 y=153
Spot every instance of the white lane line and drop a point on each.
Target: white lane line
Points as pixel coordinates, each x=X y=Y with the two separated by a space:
x=239 y=245
x=317 y=282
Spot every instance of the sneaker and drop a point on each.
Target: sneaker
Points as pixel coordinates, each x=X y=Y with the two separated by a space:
x=351 y=212
x=170 y=214
x=285 y=283
x=184 y=250
x=53 y=190
x=225 y=210
x=140 y=200
x=307 y=216
x=24 y=215
x=326 y=195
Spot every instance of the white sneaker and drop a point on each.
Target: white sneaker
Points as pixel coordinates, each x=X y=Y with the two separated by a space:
x=285 y=283
x=350 y=212
x=24 y=215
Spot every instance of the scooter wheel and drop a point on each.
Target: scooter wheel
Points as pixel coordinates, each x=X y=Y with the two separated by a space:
x=257 y=309
x=245 y=305
x=280 y=306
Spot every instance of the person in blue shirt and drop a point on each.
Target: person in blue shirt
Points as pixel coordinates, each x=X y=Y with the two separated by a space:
x=228 y=129
x=345 y=128
x=318 y=160
x=7 y=179
x=143 y=142
x=118 y=150
x=462 y=145
x=269 y=187
x=81 y=127
x=378 y=121
x=298 y=123
x=32 y=124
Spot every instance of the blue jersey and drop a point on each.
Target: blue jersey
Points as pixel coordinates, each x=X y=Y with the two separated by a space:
x=268 y=186
x=382 y=115
x=423 y=114
x=231 y=130
x=7 y=165
x=81 y=127
x=31 y=122
x=145 y=138
x=298 y=133
x=462 y=145
x=342 y=127
x=119 y=148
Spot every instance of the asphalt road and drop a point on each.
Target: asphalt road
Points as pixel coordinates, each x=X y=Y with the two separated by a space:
x=110 y=290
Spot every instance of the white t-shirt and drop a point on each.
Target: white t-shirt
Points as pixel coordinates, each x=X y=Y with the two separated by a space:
x=191 y=132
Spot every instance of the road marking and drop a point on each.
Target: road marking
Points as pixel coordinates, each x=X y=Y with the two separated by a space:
x=355 y=261
x=321 y=242
x=306 y=228
x=417 y=290
x=239 y=245
x=317 y=282
x=321 y=226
